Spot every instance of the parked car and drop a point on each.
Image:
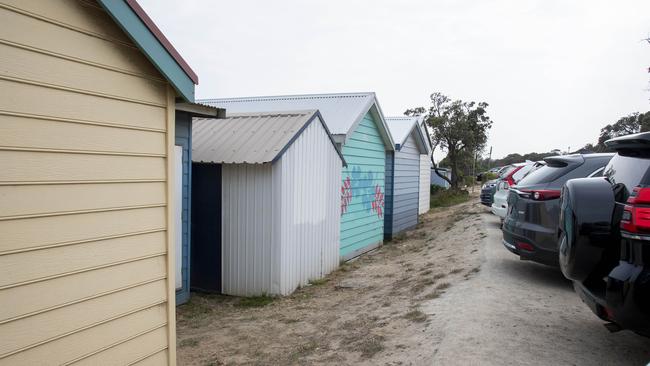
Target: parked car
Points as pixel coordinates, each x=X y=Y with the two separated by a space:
x=604 y=230
x=530 y=226
x=489 y=188
x=500 y=199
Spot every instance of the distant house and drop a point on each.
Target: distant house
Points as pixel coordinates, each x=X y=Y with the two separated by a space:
x=266 y=202
x=403 y=175
x=89 y=98
x=437 y=180
x=358 y=127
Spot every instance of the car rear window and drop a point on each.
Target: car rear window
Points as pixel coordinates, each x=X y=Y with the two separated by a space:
x=521 y=172
x=506 y=171
x=629 y=171
x=545 y=174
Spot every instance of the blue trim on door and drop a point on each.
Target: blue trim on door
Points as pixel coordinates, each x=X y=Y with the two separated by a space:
x=183 y=138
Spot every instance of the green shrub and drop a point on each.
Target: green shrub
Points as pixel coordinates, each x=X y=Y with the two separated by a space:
x=435 y=189
x=449 y=197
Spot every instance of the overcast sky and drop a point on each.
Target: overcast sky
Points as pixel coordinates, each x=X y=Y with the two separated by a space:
x=553 y=71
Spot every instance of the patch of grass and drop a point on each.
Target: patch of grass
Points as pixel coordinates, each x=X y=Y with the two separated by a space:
x=196 y=312
x=416 y=316
x=255 y=301
x=304 y=350
x=190 y=342
x=397 y=238
x=448 y=197
x=318 y=281
x=371 y=346
x=432 y=295
x=455 y=270
x=290 y=320
x=422 y=284
x=443 y=286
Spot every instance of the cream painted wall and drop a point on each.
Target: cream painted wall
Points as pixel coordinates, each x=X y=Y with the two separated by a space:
x=86 y=251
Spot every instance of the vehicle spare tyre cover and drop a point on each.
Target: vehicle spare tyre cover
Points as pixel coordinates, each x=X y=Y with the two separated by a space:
x=587 y=206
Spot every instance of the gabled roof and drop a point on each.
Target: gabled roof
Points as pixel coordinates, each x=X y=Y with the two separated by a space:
x=425 y=131
x=343 y=111
x=133 y=20
x=403 y=126
x=251 y=138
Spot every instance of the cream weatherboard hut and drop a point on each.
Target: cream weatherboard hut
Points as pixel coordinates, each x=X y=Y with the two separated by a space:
x=88 y=98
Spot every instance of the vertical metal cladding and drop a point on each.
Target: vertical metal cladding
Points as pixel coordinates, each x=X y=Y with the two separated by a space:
x=281 y=221
x=406 y=186
x=250 y=253
x=425 y=184
x=309 y=174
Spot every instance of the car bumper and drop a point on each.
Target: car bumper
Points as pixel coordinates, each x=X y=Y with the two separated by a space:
x=528 y=250
x=499 y=210
x=624 y=308
x=486 y=199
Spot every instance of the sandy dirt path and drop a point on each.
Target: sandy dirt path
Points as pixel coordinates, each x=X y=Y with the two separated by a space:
x=368 y=312
x=522 y=313
x=446 y=293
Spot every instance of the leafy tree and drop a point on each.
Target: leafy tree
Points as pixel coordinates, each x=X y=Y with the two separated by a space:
x=633 y=123
x=458 y=127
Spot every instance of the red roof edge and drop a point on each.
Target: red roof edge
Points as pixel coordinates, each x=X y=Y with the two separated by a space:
x=133 y=4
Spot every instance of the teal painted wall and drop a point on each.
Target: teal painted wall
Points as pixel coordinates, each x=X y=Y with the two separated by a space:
x=362 y=190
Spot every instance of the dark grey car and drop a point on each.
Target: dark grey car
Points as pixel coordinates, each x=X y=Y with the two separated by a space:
x=530 y=226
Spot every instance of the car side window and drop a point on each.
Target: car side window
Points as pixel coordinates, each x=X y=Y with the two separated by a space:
x=627 y=170
x=597 y=173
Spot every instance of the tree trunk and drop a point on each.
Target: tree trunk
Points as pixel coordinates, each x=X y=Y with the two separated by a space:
x=454 y=168
x=435 y=169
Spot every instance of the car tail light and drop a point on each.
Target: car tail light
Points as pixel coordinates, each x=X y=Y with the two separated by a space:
x=636 y=214
x=509 y=179
x=542 y=194
x=524 y=246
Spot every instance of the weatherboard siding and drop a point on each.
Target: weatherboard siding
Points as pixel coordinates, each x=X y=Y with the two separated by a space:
x=404 y=200
x=362 y=215
x=86 y=129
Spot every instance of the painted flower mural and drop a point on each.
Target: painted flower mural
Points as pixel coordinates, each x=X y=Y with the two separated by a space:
x=346 y=195
x=378 y=202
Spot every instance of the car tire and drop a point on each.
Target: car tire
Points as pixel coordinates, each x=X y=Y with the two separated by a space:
x=585 y=227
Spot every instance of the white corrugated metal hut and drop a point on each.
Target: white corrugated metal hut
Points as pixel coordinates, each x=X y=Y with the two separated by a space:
x=279 y=174
x=425 y=171
x=358 y=127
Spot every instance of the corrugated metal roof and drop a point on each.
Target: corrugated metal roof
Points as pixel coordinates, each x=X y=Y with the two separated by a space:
x=251 y=138
x=400 y=127
x=341 y=111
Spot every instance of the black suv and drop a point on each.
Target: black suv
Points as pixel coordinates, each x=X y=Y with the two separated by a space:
x=604 y=236
x=530 y=226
